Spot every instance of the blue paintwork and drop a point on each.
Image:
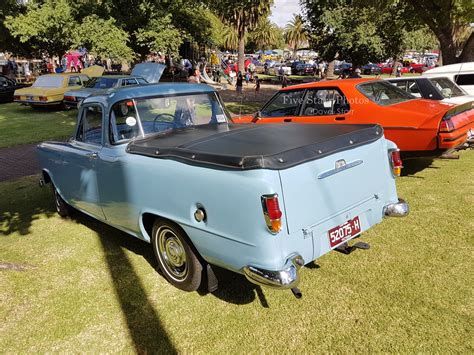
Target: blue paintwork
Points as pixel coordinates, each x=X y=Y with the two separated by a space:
x=120 y=188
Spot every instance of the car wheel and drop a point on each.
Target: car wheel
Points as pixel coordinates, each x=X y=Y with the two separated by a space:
x=176 y=257
x=62 y=207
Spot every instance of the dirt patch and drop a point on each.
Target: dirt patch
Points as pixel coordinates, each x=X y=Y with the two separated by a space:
x=16 y=267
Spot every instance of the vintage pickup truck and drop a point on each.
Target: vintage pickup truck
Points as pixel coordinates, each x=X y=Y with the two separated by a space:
x=163 y=163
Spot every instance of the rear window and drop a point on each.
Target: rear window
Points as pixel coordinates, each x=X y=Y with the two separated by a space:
x=384 y=93
x=49 y=81
x=102 y=83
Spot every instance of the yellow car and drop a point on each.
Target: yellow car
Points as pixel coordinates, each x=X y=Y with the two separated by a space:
x=49 y=89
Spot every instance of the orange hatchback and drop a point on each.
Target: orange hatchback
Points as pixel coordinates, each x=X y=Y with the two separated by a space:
x=419 y=127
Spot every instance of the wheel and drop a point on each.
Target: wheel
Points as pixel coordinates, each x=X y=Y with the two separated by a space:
x=61 y=206
x=176 y=257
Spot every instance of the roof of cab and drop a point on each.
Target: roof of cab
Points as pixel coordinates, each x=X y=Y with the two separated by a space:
x=327 y=83
x=149 y=90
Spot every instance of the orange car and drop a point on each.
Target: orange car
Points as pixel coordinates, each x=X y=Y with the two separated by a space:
x=419 y=127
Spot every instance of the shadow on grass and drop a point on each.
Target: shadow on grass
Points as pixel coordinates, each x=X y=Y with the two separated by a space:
x=413 y=166
x=145 y=328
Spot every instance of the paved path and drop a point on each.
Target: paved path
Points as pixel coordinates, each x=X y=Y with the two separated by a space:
x=19 y=161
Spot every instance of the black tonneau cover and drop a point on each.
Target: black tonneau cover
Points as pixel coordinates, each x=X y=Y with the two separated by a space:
x=254 y=146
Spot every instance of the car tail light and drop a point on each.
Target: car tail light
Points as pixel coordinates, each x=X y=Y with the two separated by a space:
x=272 y=213
x=446 y=125
x=395 y=162
x=16 y=97
x=43 y=98
x=70 y=98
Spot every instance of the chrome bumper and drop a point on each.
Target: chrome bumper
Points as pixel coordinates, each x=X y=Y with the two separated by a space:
x=399 y=209
x=287 y=277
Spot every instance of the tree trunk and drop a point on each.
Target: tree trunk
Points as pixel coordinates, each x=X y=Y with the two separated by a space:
x=448 y=49
x=241 y=57
x=330 y=71
x=467 y=54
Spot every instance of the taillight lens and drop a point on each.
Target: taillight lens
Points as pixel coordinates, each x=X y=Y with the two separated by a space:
x=396 y=162
x=70 y=98
x=272 y=212
x=446 y=125
x=43 y=98
x=16 y=97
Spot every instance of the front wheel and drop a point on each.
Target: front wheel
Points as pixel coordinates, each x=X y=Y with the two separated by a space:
x=177 y=259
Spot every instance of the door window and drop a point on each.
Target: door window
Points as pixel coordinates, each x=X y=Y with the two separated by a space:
x=74 y=81
x=128 y=82
x=286 y=103
x=464 y=79
x=324 y=102
x=90 y=126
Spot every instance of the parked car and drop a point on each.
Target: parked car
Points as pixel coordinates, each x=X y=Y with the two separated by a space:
x=305 y=68
x=435 y=88
x=371 y=69
x=419 y=127
x=49 y=89
x=162 y=163
x=141 y=74
x=343 y=68
x=276 y=69
x=388 y=69
x=462 y=74
x=8 y=87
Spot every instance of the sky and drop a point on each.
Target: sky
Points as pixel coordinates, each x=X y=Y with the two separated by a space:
x=283 y=10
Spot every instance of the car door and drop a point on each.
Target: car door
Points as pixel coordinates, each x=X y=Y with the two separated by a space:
x=283 y=107
x=6 y=89
x=80 y=175
x=324 y=105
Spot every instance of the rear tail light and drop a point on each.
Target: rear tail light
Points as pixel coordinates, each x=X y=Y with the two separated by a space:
x=446 y=125
x=395 y=162
x=272 y=212
x=16 y=97
x=70 y=98
x=43 y=98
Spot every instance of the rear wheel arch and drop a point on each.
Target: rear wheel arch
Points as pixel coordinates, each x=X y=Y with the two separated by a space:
x=46 y=177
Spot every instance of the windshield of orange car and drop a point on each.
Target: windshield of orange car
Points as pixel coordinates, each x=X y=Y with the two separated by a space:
x=384 y=93
x=133 y=118
x=447 y=87
x=49 y=82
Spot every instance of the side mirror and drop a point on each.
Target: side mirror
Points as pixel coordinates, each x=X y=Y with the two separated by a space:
x=257 y=116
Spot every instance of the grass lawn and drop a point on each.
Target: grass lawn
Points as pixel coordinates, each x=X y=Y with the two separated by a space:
x=23 y=124
x=243 y=108
x=77 y=285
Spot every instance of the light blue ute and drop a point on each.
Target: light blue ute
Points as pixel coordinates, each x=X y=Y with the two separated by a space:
x=164 y=164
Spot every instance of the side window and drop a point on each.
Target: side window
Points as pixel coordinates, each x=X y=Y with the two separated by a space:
x=324 y=102
x=142 y=81
x=412 y=88
x=401 y=84
x=127 y=82
x=286 y=103
x=464 y=79
x=74 y=81
x=123 y=122
x=90 y=126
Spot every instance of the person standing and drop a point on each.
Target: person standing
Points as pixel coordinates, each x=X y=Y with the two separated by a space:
x=257 y=85
x=197 y=74
x=239 y=83
x=284 y=81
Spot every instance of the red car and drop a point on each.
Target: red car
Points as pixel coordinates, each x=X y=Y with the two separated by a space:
x=419 y=127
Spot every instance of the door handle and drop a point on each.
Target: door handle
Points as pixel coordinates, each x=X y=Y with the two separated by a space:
x=93 y=155
x=287 y=120
x=340 y=118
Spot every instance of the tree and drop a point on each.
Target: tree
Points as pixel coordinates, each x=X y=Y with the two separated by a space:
x=242 y=15
x=266 y=35
x=295 y=33
x=230 y=38
x=450 y=22
x=160 y=36
x=7 y=41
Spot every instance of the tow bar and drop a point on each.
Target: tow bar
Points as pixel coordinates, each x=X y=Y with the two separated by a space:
x=346 y=249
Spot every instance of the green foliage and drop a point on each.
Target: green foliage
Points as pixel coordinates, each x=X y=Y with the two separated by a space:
x=47 y=27
x=266 y=35
x=160 y=36
x=103 y=37
x=295 y=33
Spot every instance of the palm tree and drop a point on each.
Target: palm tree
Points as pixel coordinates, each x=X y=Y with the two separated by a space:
x=242 y=15
x=295 y=33
x=230 y=38
x=265 y=34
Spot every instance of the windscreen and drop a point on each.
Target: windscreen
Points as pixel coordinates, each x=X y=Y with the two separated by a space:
x=133 y=118
x=102 y=83
x=384 y=93
x=447 y=87
x=49 y=81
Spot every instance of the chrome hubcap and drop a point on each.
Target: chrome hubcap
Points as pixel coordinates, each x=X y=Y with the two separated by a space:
x=172 y=254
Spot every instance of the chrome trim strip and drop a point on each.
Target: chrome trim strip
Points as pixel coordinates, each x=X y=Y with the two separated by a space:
x=399 y=209
x=287 y=277
x=338 y=170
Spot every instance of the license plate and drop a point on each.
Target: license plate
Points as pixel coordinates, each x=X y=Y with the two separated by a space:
x=30 y=98
x=344 y=232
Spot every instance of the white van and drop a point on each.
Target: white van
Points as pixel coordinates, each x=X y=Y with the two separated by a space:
x=461 y=73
